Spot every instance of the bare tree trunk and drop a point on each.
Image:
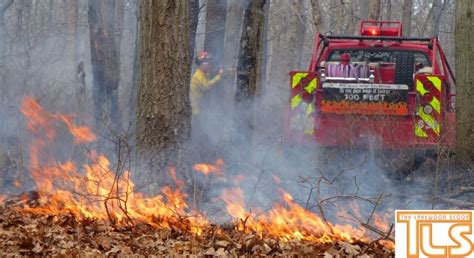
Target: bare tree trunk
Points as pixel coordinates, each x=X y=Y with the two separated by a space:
x=374 y=9
x=438 y=9
x=3 y=35
x=248 y=68
x=406 y=17
x=3 y=53
x=232 y=36
x=106 y=26
x=296 y=32
x=233 y=32
x=389 y=10
x=338 y=19
x=193 y=21
x=364 y=12
x=132 y=115
x=80 y=90
x=316 y=12
x=164 y=110
x=214 y=44
x=464 y=43
x=215 y=28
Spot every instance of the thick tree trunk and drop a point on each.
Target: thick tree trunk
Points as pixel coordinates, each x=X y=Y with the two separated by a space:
x=106 y=26
x=234 y=19
x=406 y=17
x=374 y=9
x=464 y=43
x=214 y=44
x=285 y=36
x=248 y=68
x=193 y=21
x=164 y=110
x=132 y=115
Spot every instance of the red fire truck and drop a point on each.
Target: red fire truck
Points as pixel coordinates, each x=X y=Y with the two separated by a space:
x=377 y=89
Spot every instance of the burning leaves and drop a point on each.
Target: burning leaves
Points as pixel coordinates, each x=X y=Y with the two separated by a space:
x=96 y=209
x=30 y=234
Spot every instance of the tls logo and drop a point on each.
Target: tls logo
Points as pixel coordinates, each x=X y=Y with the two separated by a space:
x=434 y=234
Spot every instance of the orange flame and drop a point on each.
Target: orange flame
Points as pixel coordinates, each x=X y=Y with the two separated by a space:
x=207 y=169
x=94 y=190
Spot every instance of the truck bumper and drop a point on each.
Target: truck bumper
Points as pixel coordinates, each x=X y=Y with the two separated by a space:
x=387 y=132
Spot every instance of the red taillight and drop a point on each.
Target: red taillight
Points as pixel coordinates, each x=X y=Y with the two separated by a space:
x=427 y=98
x=428 y=85
x=371 y=31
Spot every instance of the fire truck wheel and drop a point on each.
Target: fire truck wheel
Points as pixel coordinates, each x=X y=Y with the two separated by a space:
x=397 y=164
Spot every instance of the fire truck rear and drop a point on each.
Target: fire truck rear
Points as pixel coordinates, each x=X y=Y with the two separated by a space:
x=377 y=89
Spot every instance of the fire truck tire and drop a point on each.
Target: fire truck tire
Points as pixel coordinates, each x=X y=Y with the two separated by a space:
x=404 y=66
x=397 y=164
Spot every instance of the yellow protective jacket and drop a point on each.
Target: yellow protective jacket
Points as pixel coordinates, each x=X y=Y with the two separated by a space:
x=200 y=84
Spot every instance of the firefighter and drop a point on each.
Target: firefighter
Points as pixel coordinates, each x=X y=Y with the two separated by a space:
x=200 y=82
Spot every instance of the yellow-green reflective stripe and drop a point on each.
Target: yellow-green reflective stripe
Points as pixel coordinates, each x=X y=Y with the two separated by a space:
x=429 y=120
x=420 y=88
x=435 y=102
x=436 y=82
x=419 y=132
x=309 y=126
x=311 y=86
x=297 y=78
x=436 y=105
x=309 y=109
x=309 y=131
x=295 y=101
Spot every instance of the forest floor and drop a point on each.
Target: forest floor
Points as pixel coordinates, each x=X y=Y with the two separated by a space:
x=436 y=184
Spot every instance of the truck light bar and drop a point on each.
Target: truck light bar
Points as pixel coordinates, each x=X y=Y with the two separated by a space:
x=386 y=38
x=380 y=28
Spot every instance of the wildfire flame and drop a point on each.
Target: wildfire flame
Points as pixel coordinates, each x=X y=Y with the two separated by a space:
x=207 y=169
x=94 y=190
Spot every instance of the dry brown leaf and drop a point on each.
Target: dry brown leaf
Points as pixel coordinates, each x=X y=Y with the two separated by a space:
x=114 y=250
x=349 y=249
x=144 y=241
x=103 y=242
x=221 y=252
x=210 y=251
x=328 y=255
x=37 y=249
x=221 y=243
x=332 y=251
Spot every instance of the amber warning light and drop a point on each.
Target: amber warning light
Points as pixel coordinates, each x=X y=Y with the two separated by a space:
x=380 y=28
